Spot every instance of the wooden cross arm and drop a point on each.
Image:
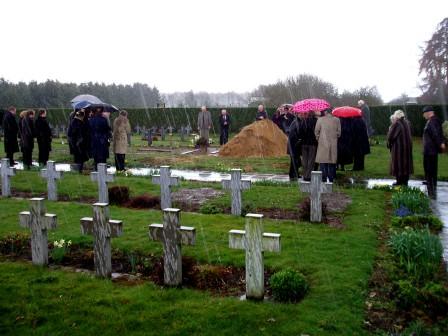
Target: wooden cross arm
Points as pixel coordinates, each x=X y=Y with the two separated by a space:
x=271 y=241
x=11 y=171
x=57 y=174
x=174 y=180
x=188 y=234
x=225 y=183
x=108 y=177
x=87 y=227
x=47 y=222
x=326 y=187
x=245 y=184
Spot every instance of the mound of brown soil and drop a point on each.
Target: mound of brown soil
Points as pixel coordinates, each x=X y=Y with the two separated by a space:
x=260 y=139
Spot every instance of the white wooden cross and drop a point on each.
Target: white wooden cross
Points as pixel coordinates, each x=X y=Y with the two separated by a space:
x=173 y=236
x=103 y=229
x=236 y=185
x=51 y=175
x=255 y=242
x=102 y=177
x=39 y=222
x=316 y=187
x=6 y=172
x=166 y=181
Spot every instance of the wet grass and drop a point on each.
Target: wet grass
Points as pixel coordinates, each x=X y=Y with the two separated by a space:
x=377 y=163
x=337 y=263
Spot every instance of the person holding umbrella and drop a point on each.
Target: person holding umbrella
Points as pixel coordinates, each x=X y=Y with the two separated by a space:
x=78 y=139
x=327 y=131
x=100 y=136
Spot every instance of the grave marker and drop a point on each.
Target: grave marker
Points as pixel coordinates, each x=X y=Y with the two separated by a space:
x=255 y=242
x=173 y=236
x=51 y=175
x=6 y=173
x=103 y=229
x=162 y=133
x=102 y=177
x=236 y=185
x=316 y=187
x=39 y=222
x=166 y=181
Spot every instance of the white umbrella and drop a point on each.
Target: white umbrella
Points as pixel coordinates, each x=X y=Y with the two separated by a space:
x=88 y=98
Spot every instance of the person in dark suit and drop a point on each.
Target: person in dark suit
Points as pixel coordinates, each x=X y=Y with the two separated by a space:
x=27 y=135
x=224 y=123
x=44 y=137
x=261 y=113
x=79 y=139
x=101 y=134
x=433 y=144
x=11 y=130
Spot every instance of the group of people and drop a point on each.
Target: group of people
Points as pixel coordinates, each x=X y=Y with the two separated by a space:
x=20 y=135
x=399 y=142
x=90 y=134
x=205 y=124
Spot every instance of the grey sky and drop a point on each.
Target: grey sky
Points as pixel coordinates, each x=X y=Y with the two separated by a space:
x=218 y=46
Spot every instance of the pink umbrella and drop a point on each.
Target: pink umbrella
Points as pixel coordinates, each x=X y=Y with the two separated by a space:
x=347 y=112
x=308 y=105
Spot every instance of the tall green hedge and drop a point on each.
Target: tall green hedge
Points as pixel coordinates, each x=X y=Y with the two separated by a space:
x=241 y=117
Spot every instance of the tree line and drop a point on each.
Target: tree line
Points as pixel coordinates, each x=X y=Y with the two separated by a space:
x=55 y=94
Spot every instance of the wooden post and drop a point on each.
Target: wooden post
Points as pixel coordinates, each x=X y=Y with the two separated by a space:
x=6 y=173
x=316 y=187
x=173 y=236
x=166 y=181
x=102 y=230
x=51 y=175
x=236 y=185
x=39 y=222
x=102 y=177
x=255 y=242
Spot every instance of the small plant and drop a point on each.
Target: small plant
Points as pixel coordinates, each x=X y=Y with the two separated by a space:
x=60 y=249
x=210 y=208
x=15 y=244
x=412 y=199
x=418 y=252
x=288 y=286
x=418 y=222
x=402 y=211
x=406 y=293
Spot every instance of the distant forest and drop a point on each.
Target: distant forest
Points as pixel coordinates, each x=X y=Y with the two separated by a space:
x=55 y=94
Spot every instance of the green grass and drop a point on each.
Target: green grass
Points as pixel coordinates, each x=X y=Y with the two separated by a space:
x=337 y=264
x=377 y=163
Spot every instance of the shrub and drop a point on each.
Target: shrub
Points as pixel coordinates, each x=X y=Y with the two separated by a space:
x=118 y=195
x=406 y=294
x=288 y=286
x=415 y=201
x=418 y=222
x=15 y=244
x=210 y=208
x=412 y=199
x=418 y=252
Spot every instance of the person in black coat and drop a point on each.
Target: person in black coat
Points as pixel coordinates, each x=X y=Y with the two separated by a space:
x=27 y=135
x=78 y=140
x=345 y=143
x=224 y=123
x=100 y=137
x=11 y=130
x=294 y=149
x=44 y=137
x=433 y=144
x=360 y=141
x=308 y=142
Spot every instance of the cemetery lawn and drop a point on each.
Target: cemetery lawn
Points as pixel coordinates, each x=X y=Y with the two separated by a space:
x=337 y=264
x=377 y=163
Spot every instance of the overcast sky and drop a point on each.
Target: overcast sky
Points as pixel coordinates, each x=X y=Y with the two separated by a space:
x=218 y=46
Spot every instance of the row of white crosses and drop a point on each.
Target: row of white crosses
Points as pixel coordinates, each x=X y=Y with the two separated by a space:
x=170 y=233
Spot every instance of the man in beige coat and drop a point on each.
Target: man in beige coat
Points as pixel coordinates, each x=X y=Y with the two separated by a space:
x=204 y=122
x=327 y=131
x=121 y=130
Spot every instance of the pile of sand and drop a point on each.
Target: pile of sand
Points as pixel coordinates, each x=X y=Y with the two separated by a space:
x=260 y=139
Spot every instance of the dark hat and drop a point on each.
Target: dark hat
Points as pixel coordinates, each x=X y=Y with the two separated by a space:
x=427 y=109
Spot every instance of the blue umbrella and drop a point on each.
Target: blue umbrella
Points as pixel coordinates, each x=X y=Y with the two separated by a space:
x=86 y=98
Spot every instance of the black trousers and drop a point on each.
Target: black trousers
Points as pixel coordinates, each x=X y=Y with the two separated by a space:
x=430 y=166
x=328 y=171
x=119 y=161
x=294 y=166
x=308 y=160
x=358 y=162
x=402 y=180
x=224 y=136
x=27 y=157
x=10 y=156
x=44 y=154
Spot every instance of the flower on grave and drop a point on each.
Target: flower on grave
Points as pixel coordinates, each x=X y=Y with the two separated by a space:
x=59 y=250
x=402 y=211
